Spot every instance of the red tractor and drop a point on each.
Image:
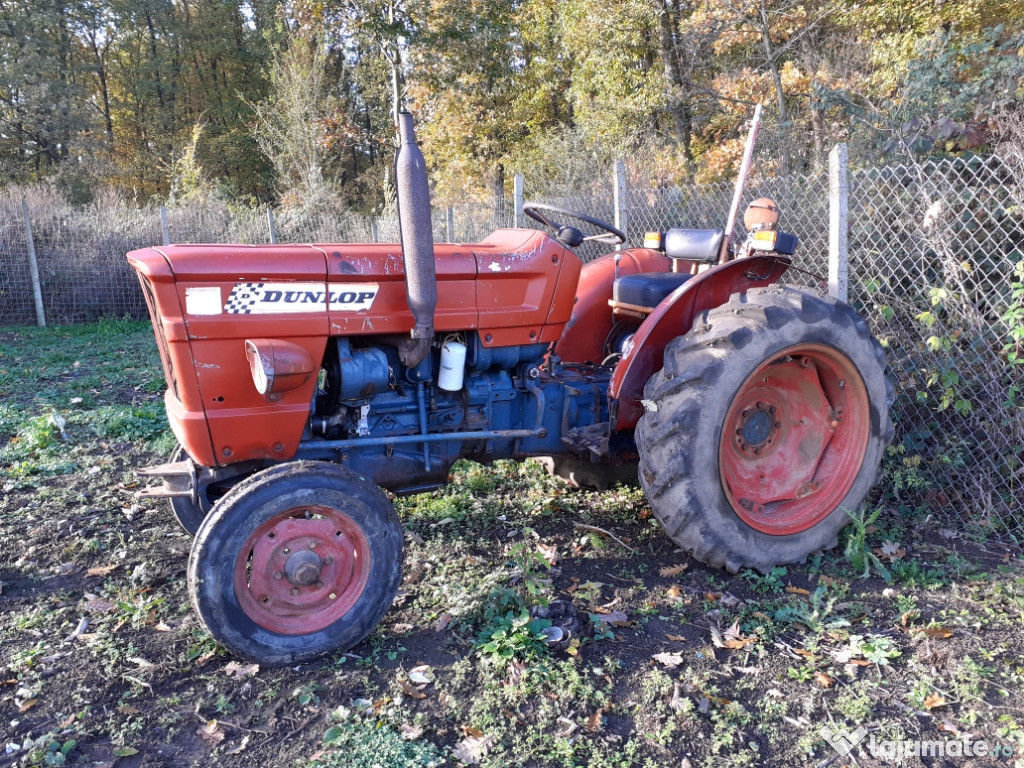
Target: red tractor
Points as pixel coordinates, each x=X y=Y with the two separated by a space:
x=303 y=379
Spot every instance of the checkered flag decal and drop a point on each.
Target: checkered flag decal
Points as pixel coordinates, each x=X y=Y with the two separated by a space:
x=243 y=297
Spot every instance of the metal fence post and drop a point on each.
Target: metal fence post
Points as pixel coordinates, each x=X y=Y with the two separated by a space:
x=270 y=225
x=838 y=223
x=621 y=202
x=373 y=230
x=517 y=196
x=449 y=225
x=33 y=268
x=163 y=225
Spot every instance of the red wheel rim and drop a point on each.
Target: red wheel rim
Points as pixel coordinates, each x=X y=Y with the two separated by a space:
x=302 y=570
x=794 y=439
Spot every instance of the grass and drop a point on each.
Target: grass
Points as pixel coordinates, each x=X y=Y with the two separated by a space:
x=671 y=661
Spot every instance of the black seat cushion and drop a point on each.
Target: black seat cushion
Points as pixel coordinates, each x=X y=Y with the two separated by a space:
x=647 y=290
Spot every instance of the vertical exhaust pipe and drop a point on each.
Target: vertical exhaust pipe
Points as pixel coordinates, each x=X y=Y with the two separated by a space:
x=417 y=241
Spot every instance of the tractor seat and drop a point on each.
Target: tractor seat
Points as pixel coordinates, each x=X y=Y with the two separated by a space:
x=646 y=291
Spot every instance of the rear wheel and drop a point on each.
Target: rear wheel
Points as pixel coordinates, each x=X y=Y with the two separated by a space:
x=296 y=561
x=765 y=427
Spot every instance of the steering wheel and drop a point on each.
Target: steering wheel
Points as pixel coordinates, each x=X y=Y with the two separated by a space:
x=571 y=236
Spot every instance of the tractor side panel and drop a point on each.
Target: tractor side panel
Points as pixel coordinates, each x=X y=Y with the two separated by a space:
x=674 y=317
x=591 y=322
x=356 y=271
x=519 y=285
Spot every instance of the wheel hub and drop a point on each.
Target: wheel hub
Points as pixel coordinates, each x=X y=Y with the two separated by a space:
x=757 y=428
x=303 y=568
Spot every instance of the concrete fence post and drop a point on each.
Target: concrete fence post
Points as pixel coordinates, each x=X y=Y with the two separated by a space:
x=449 y=224
x=271 y=226
x=374 y=233
x=33 y=268
x=838 y=223
x=621 y=202
x=163 y=225
x=517 y=195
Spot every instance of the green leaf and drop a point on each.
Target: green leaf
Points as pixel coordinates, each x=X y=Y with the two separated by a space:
x=334 y=733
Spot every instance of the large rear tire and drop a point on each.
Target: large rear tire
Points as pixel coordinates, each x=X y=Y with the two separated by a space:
x=765 y=428
x=296 y=561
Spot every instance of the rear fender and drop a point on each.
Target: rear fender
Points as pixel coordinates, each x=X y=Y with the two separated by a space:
x=674 y=317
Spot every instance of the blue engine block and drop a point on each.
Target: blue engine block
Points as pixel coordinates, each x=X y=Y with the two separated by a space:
x=395 y=426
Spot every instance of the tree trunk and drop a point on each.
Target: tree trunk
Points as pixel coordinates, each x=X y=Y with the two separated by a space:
x=674 y=85
x=769 y=57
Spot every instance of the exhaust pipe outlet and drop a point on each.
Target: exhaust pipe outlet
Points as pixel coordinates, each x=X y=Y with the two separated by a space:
x=417 y=242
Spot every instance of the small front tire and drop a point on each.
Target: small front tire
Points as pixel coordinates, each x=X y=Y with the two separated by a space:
x=296 y=561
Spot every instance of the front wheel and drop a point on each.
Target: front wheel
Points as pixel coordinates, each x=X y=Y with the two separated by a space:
x=765 y=427
x=296 y=561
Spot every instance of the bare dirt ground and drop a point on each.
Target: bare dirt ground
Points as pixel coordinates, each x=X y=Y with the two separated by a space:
x=102 y=662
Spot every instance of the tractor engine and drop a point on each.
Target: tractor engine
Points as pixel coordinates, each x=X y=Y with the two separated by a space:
x=405 y=426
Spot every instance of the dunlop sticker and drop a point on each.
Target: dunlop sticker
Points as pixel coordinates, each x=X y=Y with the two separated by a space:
x=284 y=298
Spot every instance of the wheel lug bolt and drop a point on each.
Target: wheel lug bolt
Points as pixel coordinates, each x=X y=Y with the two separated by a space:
x=286 y=550
x=842 y=384
x=328 y=560
x=295 y=590
x=278 y=575
x=332 y=595
x=319 y=584
x=312 y=545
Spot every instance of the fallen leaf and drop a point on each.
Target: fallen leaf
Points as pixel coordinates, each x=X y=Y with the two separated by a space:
x=712 y=596
x=594 y=721
x=442 y=622
x=125 y=751
x=211 y=732
x=797 y=590
x=102 y=570
x=828 y=581
x=402 y=628
x=472 y=750
x=934 y=700
x=240 y=746
x=670 y=660
x=241 y=671
x=27 y=704
x=733 y=639
x=161 y=627
x=416 y=691
x=678 y=701
x=672 y=570
x=824 y=680
x=891 y=551
x=410 y=732
x=99 y=605
x=616 y=618
x=676 y=638
x=549 y=553
x=675 y=591
x=938 y=632
x=470 y=731
x=420 y=675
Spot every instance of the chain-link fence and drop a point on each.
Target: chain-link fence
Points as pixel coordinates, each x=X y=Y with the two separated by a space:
x=936 y=266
